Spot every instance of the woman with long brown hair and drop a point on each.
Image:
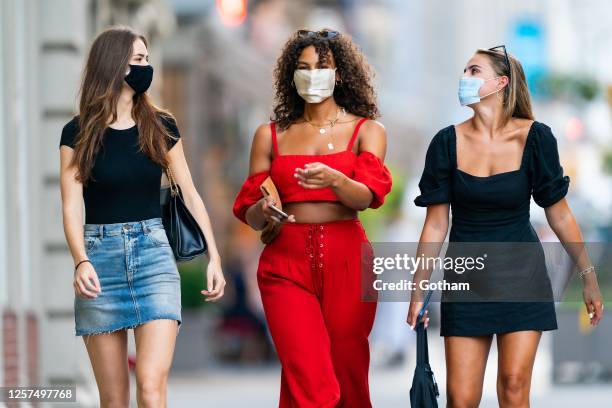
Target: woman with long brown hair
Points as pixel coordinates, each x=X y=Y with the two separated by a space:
x=324 y=151
x=487 y=168
x=112 y=156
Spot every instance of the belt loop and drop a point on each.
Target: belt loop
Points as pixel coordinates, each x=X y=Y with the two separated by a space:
x=145 y=227
x=101 y=230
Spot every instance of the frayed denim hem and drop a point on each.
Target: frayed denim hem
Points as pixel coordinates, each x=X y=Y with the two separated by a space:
x=84 y=333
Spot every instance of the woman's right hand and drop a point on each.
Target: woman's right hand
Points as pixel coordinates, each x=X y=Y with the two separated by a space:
x=86 y=284
x=413 y=313
x=272 y=215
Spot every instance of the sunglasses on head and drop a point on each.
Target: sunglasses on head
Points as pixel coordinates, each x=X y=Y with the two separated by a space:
x=503 y=47
x=325 y=34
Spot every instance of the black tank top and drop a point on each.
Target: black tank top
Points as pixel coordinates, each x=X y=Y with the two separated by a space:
x=126 y=182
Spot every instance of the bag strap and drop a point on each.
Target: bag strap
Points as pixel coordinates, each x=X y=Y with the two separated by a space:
x=425 y=303
x=422 y=349
x=173 y=184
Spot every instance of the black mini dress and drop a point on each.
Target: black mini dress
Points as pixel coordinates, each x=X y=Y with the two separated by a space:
x=495 y=209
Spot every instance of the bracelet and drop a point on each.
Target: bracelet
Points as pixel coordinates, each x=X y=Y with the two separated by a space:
x=586 y=270
x=77 y=265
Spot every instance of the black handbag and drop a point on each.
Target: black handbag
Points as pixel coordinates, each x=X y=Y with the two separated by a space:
x=424 y=391
x=184 y=233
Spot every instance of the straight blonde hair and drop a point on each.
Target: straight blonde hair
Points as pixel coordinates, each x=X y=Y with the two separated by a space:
x=517 y=101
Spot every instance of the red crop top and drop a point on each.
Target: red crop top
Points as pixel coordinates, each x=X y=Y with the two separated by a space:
x=365 y=167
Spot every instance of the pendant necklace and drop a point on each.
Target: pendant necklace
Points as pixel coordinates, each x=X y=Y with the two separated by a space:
x=323 y=130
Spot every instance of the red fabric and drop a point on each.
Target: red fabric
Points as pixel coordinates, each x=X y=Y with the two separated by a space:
x=310 y=279
x=365 y=167
x=371 y=171
x=249 y=194
x=283 y=167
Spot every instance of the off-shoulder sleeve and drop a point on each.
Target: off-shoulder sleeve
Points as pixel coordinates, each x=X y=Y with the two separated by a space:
x=548 y=183
x=371 y=171
x=249 y=194
x=435 y=183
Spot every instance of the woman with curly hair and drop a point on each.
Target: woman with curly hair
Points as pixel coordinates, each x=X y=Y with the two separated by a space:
x=324 y=151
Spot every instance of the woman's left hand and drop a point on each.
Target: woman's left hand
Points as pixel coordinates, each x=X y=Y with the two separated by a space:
x=318 y=175
x=592 y=298
x=215 y=282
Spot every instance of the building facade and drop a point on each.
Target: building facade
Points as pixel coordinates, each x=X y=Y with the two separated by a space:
x=43 y=45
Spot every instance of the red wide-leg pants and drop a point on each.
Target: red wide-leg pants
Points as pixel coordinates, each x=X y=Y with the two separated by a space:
x=310 y=278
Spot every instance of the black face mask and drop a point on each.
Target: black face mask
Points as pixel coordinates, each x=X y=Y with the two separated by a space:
x=140 y=77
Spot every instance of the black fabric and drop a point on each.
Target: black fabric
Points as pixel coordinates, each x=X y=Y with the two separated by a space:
x=424 y=391
x=495 y=209
x=549 y=184
x=126 y=183
x=436 y=178
x=184 y=234
x=140 y=77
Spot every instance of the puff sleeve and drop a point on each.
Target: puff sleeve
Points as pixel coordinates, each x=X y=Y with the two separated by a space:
x=371 y=171
x=548 y=183
x=435 y=183
x=249 y=194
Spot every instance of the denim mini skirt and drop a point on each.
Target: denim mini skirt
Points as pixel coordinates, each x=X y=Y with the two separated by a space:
x=139 y=279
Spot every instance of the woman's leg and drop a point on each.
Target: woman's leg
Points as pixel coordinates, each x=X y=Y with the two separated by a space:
x=466 y=360
x=296 y=323
x=108 y=356
x=516 y=355
x=349 y=321
x=155 y=342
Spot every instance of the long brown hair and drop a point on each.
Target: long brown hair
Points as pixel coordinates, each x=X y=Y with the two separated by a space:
x=355 y=92
x=517 y=102
x=102 y=81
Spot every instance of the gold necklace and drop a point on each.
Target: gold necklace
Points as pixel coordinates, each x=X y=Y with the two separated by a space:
x=332 y=123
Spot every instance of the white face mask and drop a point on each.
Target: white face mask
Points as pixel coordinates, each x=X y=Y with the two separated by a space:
x=315 y=85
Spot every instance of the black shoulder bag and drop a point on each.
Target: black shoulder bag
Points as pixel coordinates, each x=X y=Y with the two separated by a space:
x=184 y=233
x=424 y=391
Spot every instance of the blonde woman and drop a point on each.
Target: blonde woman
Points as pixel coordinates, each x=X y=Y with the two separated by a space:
x=487 y=169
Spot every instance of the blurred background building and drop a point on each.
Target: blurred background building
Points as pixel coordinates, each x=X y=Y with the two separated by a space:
x=214 y=61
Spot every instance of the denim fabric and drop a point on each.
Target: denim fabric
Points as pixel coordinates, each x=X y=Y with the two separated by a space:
x=138 y=276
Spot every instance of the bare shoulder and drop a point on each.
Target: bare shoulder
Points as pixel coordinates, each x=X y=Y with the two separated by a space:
x=518 y=129
x=373 y=137
x=263 y=134
x=520 y=123
x=373 y=130
x=463 y=126
x=373 y=126
x=261 y=149
x=262 y=140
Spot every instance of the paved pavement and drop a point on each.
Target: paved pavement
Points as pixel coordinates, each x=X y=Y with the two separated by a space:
x=256 y=387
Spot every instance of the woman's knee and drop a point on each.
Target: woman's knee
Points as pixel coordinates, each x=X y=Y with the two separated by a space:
x=115 y=398
x=513 y=388
x=459 y=397
x=151 y=388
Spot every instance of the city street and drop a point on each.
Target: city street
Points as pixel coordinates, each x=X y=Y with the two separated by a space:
x=258 y=387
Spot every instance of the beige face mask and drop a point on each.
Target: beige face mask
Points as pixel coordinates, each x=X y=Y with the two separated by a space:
x=315 y=85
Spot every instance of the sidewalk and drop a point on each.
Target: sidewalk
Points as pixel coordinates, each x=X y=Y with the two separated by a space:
x=259 y=386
